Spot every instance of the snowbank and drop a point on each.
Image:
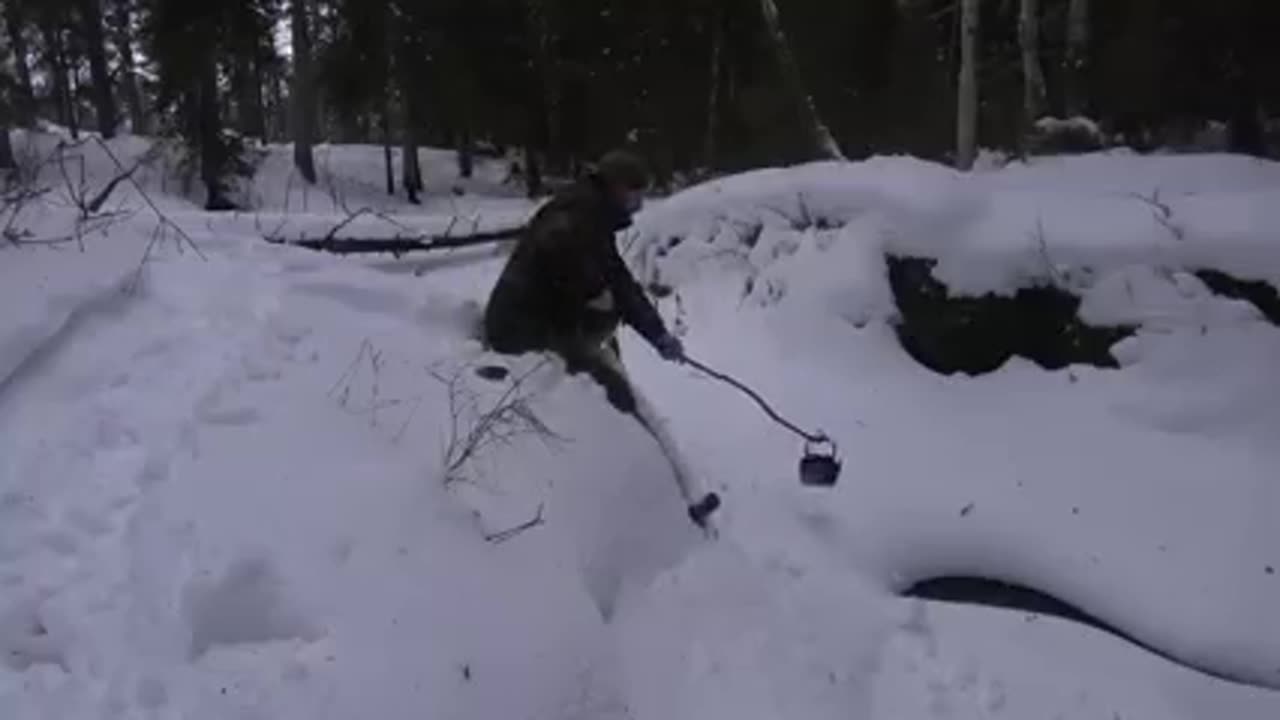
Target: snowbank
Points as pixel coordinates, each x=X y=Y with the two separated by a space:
x=990 y=231
x=1112 y=490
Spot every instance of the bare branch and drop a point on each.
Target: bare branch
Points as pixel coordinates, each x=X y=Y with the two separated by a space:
x=164 y=219
x=398 y=245
x=475 y=428
x=1042 y=243
x=1162 y=213
x=503 y=536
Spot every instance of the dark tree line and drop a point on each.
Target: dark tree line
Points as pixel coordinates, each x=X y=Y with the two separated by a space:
x=698 y=85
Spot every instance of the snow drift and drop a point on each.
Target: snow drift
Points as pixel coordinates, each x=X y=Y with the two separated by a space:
x=1088 y=497
x=229 y=492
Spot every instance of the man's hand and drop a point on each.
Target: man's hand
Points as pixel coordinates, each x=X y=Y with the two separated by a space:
x=670 y=348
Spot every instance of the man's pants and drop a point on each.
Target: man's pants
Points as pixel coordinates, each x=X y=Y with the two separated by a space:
x=601 y=358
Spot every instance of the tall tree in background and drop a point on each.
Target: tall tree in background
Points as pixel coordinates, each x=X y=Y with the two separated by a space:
x=303 y=100
x=183 y=38
x=7 y=160
x=967 y=86
x=823 y=144
x=90 y=12
x=546 y=65
x=713 y=86
x=1033 y=86
x=24 y=104
x=248 y=48
x=122 y=37
x=53 y=22
x=409 y=52
x=1077 y=70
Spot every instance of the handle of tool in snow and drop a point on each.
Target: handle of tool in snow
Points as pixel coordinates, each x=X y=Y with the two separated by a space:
x=818 y=438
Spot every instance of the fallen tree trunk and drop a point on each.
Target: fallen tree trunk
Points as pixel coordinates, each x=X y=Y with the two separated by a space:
x=399 y=245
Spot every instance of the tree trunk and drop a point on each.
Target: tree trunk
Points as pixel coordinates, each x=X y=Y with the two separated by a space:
x=548 y=70
x=466 y=150
x=122 y=37
x=1033 y=87
x=7 y=160
x=25 y=105
x=1077 y=71
x=213 y=152
x=533 y=173
x=248 y=92
x=386 y=145
x=822 y=143
x=713 y=93
x=95 y=47
x=967 y=95
x=57 y=59
x=410 y=166
x=303 y=96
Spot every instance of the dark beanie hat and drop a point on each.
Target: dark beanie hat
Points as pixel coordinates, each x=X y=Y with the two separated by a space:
x=622 y=167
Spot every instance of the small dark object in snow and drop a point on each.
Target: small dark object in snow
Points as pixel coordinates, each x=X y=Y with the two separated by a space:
x=1271 y=570
x=819 y=469
x=700 y=511
x=1075 y=511
x=493 y=372
x=966 y=510
x=466 y=672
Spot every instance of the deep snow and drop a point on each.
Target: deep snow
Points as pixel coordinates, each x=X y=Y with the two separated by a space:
x=222 y=494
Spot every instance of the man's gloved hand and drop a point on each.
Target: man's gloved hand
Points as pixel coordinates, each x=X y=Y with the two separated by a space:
x=670 y=348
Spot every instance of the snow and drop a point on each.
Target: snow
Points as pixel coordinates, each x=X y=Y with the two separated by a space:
x=225 y=486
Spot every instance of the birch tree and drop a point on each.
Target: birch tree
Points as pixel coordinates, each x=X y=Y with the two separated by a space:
x=1033 y=86
x=822 y=143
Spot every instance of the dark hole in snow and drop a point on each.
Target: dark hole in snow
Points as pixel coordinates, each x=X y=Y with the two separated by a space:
x=1261 y=294
x=493 y=373
x=998 y=594
x=660 y=290
x=978 y=334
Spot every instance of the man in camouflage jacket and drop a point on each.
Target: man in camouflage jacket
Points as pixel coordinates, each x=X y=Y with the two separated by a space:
x=566 y=289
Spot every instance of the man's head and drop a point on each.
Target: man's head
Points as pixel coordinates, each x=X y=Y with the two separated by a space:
x=626 y=177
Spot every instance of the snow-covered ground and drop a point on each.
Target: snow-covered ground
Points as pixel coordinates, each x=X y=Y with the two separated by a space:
x=225 y=486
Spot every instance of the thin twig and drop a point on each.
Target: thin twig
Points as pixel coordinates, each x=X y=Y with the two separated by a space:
x=147 y=198
x=503 y=536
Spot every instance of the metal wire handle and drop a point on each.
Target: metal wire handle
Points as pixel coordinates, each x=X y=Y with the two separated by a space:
x=773 y=414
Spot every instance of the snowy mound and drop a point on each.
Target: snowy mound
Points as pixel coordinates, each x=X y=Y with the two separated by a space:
x=1108 y=489
x=989 y=232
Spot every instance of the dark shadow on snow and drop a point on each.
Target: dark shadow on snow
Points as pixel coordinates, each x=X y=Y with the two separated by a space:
x=978 y=334
x=990 y=593
x=1260 y=294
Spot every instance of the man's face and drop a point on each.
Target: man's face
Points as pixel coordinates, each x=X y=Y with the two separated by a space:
x=629 y=198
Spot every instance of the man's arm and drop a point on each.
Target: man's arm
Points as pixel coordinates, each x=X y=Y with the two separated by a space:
x=631 y=300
